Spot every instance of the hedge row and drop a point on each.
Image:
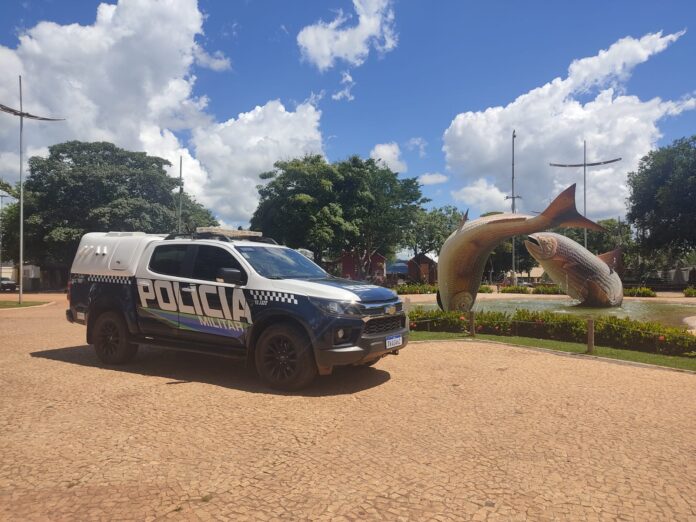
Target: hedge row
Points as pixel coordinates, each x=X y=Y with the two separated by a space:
x=548 y=289
x=415 y=288
x=639 y=292
x=609 y=331
x=514 y=290
x=690 y=292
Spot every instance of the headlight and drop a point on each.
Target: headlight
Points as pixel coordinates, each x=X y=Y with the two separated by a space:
x=336 y=307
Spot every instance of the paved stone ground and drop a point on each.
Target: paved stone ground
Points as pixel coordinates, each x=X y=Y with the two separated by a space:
x=456 y=430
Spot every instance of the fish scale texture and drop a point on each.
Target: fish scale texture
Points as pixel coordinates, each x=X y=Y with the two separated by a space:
x=445 y=431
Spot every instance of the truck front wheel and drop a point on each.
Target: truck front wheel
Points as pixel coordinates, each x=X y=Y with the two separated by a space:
x=284 y=357
x=111 y=339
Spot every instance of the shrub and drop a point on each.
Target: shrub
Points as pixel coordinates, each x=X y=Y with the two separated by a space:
x=639 y=292
x=514 y=290
x=609 y=331
x=690 y=292
x=548 y=289
x=417 y=288
x=485 y=289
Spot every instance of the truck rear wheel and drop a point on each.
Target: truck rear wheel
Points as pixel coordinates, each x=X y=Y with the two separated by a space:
x=284 y=357
x=111 y=339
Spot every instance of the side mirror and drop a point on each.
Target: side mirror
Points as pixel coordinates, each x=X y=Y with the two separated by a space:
x=232 y=276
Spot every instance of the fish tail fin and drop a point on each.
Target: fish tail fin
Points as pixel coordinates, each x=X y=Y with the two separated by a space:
x=562 y=212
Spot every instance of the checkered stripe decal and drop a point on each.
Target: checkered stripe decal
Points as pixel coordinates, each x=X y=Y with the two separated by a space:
x=281 y=297
x=120 y=280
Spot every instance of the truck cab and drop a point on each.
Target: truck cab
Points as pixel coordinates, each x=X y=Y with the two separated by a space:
x=229 y=294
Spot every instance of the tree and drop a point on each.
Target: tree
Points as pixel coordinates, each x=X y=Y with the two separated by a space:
x=430 y=229
x=92 y=187
x=661 y=201
x=300 y=207
x=380 y=206
x=617 y=235
x=354 y=205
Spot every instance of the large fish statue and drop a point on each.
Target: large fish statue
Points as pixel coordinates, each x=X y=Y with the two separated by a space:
x=463 y=256
x=592 y=280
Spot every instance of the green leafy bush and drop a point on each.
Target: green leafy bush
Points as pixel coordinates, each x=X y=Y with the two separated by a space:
x=639 y=292
x=690 y=292
x=416 y=289
x=485 y=289
x=609 y=331
x=514 y=290
x=548 y=290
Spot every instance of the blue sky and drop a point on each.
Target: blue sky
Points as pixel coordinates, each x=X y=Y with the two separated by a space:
x=425 y=64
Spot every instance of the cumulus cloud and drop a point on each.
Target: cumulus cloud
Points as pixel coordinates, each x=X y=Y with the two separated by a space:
x=323 y=43
x=551 y=122
x=390 y=154
x=236 y=151
x=432 y=178
x=128 y=78
x=348 y=84
x=481 y=195
x=419 y=144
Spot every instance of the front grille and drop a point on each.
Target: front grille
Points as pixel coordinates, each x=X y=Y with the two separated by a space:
x=379 y=309
x=385 y=324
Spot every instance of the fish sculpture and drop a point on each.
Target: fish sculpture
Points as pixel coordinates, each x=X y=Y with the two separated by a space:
x=592 y=280
x=463 y=256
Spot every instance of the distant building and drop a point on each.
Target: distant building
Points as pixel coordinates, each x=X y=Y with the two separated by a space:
x=350 y=267
x=422 y=269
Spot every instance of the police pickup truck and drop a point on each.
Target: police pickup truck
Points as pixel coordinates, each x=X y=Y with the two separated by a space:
x=229 y=293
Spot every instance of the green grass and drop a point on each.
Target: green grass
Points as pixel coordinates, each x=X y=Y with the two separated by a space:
x=670 y=361
x=15 y=304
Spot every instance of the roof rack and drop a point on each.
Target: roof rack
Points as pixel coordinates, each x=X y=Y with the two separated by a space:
x=223 y=234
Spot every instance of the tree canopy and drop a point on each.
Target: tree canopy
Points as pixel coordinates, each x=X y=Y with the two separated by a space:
x=431 y=228
x=94 y=187
x=662 y=195
x=353 y=205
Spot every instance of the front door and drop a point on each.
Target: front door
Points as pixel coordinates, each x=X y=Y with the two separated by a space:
x=211 y=311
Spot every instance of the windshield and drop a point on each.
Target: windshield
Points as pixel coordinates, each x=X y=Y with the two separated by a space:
x=280 y=263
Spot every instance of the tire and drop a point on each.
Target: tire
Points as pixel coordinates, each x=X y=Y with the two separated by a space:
x=284 y=358
x=111 y=339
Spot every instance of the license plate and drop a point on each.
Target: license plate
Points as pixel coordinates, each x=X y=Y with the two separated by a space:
x=394 y=341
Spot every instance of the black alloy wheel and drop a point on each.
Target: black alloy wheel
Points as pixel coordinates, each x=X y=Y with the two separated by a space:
x=111 y=339
x=284 y=358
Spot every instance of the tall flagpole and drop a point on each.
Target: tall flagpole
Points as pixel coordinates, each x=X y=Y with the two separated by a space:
x=21 y=195
x=22 y=115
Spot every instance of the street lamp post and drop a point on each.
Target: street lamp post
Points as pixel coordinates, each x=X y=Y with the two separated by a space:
x=584 y=166
x=513 y=198
x=22 y=115
x=2 y=196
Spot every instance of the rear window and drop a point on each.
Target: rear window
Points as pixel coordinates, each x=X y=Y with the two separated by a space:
x=168 y=259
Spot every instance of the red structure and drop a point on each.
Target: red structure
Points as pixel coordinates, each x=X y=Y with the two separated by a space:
x=422 y=269
x=351 y=269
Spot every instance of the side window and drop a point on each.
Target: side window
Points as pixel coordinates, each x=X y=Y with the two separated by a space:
x=210 y=259
x=168 y=259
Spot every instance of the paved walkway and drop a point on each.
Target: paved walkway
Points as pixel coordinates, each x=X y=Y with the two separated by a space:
x=456 y=430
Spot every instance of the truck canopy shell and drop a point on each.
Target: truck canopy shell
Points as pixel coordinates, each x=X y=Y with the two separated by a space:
x=111 y=253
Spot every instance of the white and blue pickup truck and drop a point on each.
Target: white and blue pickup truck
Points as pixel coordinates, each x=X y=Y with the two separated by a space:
x=229 y=293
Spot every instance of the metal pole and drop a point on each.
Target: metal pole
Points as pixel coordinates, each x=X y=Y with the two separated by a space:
x=590 y=336
x=181 y=190
x=21 y=196
x=2 y=197
x=514 y=271
x=584 y=184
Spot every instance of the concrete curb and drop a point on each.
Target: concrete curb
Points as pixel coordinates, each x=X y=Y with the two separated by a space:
x=42 y=305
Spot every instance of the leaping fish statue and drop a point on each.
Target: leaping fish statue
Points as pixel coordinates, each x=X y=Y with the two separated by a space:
x=592 y=280
x=463 y=255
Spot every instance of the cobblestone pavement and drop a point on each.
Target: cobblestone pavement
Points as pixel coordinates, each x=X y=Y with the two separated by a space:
x=456 y=430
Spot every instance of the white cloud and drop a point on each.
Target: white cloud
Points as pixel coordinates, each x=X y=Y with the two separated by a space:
x=128 y=78
x=417 y=143
x=482 y=195
x=390 y=154
x=325 y=42
x=236 y=151
x=348 y=84
x=551 y=123
x=432 y=178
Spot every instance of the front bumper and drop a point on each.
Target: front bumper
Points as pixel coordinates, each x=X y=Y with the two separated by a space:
x=368 y=348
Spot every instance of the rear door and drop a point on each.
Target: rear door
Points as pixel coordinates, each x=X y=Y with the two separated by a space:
x=159 y=283
x=213 y=312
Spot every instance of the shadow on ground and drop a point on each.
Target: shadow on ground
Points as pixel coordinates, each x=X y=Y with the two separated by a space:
x=184 y=367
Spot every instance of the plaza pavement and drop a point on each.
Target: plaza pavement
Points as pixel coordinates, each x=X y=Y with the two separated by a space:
x=453 y=430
